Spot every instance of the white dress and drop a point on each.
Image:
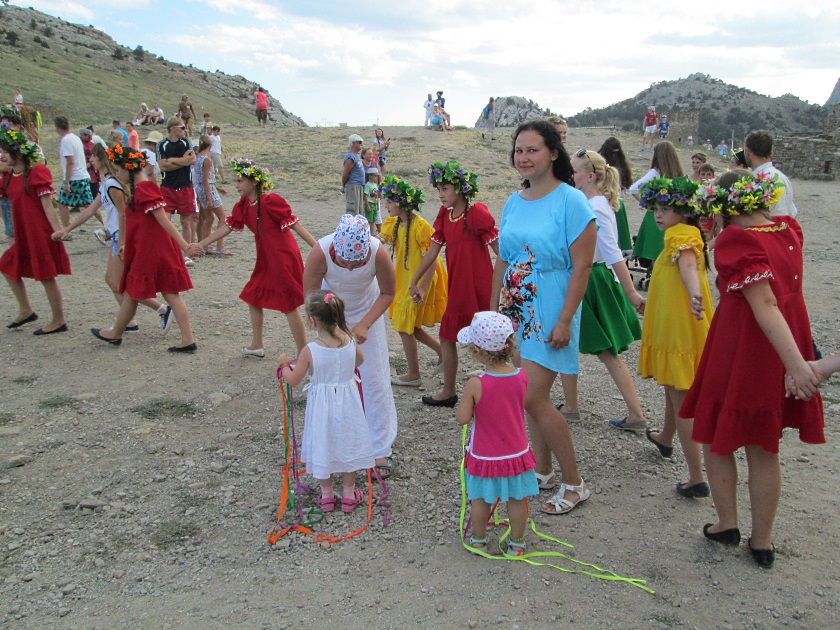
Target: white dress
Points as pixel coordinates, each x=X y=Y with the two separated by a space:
x=359 y=289
x=336 y=437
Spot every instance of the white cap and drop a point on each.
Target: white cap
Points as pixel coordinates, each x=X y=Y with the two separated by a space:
x=354 y=137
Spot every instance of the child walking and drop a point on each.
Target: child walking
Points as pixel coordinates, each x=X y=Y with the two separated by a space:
x=759 y=334
x=410 y=236
x=372 y=199
x=111 y=197
x=277 y=280
x=336 y=438
x=677 y=317
x=498 y=464
x=217 y=152
x=207 y=194
x=608 y=322
x=152 y=260
x=33 y=254
x=466 y=230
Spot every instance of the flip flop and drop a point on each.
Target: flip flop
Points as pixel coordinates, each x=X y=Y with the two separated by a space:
x=387 y=467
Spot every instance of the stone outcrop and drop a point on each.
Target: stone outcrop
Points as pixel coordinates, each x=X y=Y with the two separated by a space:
x=512 y=111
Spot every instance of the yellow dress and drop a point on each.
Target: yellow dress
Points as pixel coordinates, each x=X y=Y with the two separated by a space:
x=405 y=314
x=672 y=339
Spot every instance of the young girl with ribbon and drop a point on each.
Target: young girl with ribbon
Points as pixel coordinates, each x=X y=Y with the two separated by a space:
x=336 y=437
x=759 y=334
x=277 y=280
x=498 y=464
x=410 y=237
x=467 y=230
x=678 y=314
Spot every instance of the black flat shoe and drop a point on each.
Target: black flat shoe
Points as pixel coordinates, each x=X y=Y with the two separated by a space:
x=32 y=317
x=665 y=451
x=729 y=537
x=95 y=332
x=433 y=402
x=60 y=329
x=190 y=348
x=763 y=557
x=697 y=491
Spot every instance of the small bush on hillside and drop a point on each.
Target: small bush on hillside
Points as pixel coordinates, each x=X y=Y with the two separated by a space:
x=118 y=54
x=11 y=37
x=48 y=31
x=139 y=53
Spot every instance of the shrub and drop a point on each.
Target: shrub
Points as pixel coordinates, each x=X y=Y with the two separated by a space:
x=118 y=54
x=139 y=53
x=11 y=37
x=47 y=31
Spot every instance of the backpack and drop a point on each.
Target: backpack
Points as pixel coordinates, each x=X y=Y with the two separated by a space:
x=484 y=112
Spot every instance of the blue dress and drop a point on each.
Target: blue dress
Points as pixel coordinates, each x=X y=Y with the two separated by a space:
x=534 y=239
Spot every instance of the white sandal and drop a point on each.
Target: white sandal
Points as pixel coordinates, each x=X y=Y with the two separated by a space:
x=561 y=504
x=546 y=482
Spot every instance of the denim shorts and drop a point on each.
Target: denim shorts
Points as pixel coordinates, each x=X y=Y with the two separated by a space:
x=115 y=243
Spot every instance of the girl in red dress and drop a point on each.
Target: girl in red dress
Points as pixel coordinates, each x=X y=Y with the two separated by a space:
x=151 y=250
x=466 y=230
x=277 y=280
x=759 y=332
x=34 y=254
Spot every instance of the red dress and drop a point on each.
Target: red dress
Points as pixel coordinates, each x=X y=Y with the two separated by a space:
x=738 y=395
x=468 y=264
x=153 y=262
x=277 y=280
x=34 y=255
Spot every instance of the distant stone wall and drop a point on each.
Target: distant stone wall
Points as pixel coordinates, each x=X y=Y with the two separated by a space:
x=684 y=124
x=811 y=155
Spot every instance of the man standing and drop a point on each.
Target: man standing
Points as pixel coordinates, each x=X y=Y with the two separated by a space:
x=429 y=105
x=175 y=158
x=75 y=185
x=650 y=125
x=758 y=149
x=353 y=177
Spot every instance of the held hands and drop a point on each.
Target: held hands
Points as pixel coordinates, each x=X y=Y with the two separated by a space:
x=802 y=382
x=638 y=302
x=59 y=235
x=195 y=250
x=560 y=335
x=697 y=307
x=360 y=332
x=417 y=293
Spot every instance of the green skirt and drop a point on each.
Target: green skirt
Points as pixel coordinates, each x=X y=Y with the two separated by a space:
x=651 y=240
x=607 y=319
x=625 y=242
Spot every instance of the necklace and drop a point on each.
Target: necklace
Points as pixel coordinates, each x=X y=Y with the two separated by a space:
x=254 y=202
x=17 y=173
x=453 y=218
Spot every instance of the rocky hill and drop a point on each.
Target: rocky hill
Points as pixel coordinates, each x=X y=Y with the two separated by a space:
x=512 y=111
x=834 y=99
x=723 y=109
x=81 y=72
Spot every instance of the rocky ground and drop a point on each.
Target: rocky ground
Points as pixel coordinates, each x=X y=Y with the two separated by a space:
x=139 y=488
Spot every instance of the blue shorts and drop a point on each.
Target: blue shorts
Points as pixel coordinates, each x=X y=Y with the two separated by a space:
x=115 y=243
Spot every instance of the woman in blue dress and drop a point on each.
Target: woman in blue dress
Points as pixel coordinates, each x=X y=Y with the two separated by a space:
x=546 y=243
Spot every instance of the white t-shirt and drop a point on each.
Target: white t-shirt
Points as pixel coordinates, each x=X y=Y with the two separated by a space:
x=216 y=144
x=71 y=145
x=151 y=158
x=112 y=219
x=785 y=206
x=18 y=99
x=606 y=248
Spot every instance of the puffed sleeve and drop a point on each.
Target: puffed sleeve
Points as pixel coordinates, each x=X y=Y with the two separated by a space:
x=40 y=181
x=279 y=210
x=683 y=237
x=147 y=197
x=422 y=233
x=437 y=235
x=482 y=223
x=740 y=259
x=387 y=230
x=236 y=220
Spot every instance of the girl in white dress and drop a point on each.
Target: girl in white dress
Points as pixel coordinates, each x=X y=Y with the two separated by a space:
x=336 y=437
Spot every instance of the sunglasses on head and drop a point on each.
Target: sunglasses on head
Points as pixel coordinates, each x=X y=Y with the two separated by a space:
x=580 y=153
x=182 y=127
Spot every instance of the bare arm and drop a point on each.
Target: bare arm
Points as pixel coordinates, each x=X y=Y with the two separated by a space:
x=360 y=356
x=166 y=224
x=345 y=174
x=304 y=234
x=626 y=280
x=222 y=231
x=582 y=251
x=314 y=270
x=427 y=262
x=49 y=211
x=205 y=179
x=173 y=164
x=472 y=394
x=294 y=374
x=387 y=279
x=84 y=215
x=70 y=164
x=691 y=281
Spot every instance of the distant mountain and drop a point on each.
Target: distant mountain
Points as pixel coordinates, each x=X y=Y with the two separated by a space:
x=512 y=111
x=64 y=68
x=834 y=99
x=723 y=108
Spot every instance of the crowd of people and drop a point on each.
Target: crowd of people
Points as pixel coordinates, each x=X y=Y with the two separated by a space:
x=526 y=296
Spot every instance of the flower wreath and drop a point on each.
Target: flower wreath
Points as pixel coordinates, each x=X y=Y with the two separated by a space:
x=248 y=168
x=745 y=196
x=674 y=193
x=16 y=141
x=128 y=159
x=400 y=192
x=453 y=173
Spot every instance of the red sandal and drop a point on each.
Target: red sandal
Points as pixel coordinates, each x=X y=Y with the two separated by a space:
x=348 y=505
x=326 y=504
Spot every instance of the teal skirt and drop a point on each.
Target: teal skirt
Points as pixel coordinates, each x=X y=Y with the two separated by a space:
x=625 y=242
x=651 y=240
x=503 y=489
x=607 y=319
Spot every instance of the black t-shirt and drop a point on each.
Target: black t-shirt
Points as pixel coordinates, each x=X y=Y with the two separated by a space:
x=179 y=178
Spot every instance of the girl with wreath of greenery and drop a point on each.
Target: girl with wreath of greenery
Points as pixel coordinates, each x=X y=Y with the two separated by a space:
x=467 y=230
x=277 y=280
x=33 y=254
x=410 y=237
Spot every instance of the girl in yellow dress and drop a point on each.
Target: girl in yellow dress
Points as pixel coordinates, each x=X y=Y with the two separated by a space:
x=678 y=314
x=410 y=236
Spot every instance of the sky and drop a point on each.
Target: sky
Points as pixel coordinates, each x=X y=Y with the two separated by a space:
x=373 y=62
